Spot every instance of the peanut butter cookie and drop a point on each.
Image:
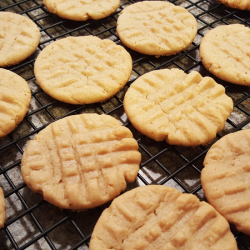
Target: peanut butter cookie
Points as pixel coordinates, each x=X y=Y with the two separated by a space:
x=82 y=70
x=159 y=217
x=237 y=4
x=81 y=161
x=183 y=109
x=15 y=98
x=81 y=10
x=225 y=52
x=2 y=209
x=225 y=178
x=156 y=28
x=19 y=38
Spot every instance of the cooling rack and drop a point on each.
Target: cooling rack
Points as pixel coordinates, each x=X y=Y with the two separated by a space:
x=33 y=223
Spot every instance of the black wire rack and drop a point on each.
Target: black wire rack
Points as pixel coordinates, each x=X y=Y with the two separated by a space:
x=32 y=223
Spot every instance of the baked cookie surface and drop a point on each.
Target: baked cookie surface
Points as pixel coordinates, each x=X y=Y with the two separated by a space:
x=156 y=28
x=2 y=209
x=81 y=10
x=85 y=69
x=237 y=4
x=225 y=178
x=159 y=217
x=81 y=161
x=183 y=109
x=225 y=52
x=15 y=98
x=19 y=38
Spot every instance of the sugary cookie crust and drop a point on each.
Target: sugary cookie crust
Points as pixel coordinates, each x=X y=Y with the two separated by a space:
x=237 y=4
x=19 y=38
x=225 y=52
x=225 y=178
x=85 y=69
x=15 y=98
x=156 y=28
x=183 y=109
x=159 y=217
x=81 y=161
x=81 y=10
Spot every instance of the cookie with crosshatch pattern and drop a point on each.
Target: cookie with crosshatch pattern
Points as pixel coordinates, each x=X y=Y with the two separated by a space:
x=156 y=28
x=19 y=38
x=225 y=178
x=2 y=208
x=225 y=52
x=15 y=98
x=237 y=4
x=183 y=109
x=81 y=10
x=81 y=161
x=158 y=217
x=85 y=69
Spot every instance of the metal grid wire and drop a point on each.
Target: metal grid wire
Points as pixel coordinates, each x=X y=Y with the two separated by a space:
x=33 y=223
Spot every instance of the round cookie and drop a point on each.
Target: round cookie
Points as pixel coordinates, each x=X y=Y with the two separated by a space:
x=237 y=4
x=15 y=98
x=81 y=10
x=81 y=161
x=183 y=109
x=225 y=178
x=19 y=38
x=156 y=28
x=225 y=52
x=158 y=217
x=2 y=209
x=85 y=69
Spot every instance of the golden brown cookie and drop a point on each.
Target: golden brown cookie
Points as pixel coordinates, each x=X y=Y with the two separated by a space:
x=156 y=28
x=81 y=161
x=183 y=109
x=85 y=69
x=81 y=10
x=2 y=209
x=225 y=178
x=225 y=52
x=19 y=38
x=15 y=98
x=161 y=218
x=237 y=4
